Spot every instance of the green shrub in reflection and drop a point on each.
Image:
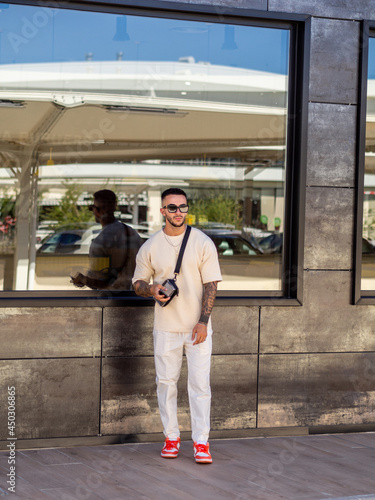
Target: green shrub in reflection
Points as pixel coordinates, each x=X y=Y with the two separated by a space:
x=69 y=213
x=218 y=209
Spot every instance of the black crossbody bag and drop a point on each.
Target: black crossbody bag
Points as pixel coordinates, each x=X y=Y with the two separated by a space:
x=170 y=284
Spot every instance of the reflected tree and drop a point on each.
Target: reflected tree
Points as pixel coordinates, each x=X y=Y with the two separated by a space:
x=69 y=212
x=217 y=209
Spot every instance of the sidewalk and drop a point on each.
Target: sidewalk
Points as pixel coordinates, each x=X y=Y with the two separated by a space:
x=337 y=466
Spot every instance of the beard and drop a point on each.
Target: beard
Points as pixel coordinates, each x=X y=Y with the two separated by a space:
x=173 y=223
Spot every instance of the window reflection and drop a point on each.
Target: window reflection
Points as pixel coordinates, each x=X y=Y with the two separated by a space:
x=368 y=235
x=148 y=104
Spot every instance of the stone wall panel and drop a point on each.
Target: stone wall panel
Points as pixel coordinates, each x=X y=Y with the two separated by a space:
x=316 y=390
x=31 y=332
x=326 y=322
x=329 y=228
x=353 y=9
x=235 y=330
x=334 y=61
x=54 y=397
x=327 y=164
x=129 y=402
x=127 y=331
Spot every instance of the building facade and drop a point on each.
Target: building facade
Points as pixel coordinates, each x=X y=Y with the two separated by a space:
x=276 y=122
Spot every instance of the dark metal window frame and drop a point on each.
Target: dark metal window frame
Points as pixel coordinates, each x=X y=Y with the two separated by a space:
x=292 y=265
x=361 y=297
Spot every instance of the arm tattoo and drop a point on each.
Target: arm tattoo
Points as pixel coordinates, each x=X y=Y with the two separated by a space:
x=209 y=295
x=142 y=288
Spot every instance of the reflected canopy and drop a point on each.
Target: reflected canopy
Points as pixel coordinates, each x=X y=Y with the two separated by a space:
x=140 y=123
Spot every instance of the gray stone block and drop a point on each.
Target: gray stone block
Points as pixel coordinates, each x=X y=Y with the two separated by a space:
x=127 y=331
x=316 y=389
x=334 y=61
x=326 y=322
x=235 y=330
x=30 y=332
x=329 y=228
x=129 y=402
x=234 y=392
x=331 y=145
x=353 y=9
x=54 y=397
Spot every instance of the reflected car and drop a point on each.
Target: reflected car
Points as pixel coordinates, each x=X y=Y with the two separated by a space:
x=44 y=230
x=367 y=247
x=70 y=241
x=368 y=265
x=62 y=255
x=272 y=243
x=243 y=264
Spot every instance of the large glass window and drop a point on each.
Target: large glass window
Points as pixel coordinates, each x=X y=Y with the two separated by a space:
x=137 y=104
x=368 y=227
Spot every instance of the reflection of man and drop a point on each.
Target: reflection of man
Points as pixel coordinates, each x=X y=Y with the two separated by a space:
x=112 y=253
x=184 y=323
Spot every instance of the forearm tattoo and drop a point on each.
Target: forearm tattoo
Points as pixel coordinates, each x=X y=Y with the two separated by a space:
x=142 y=288
x=209 y=295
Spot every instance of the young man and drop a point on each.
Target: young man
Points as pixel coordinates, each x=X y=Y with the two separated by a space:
x=112 y=253
x=184 y=323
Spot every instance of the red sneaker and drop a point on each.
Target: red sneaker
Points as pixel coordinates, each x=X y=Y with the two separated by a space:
x=171 y=447
x=202 y=454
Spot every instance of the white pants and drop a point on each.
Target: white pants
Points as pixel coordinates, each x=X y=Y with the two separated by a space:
x=168 y=352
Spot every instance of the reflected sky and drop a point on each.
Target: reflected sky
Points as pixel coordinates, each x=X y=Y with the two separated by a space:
x=371 y=61
x=41 y=34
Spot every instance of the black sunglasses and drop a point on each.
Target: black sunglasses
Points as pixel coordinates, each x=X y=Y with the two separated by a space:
x=172 y=209
x=91 y=208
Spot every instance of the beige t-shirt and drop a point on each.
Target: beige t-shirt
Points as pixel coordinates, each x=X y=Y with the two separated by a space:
x=157 y=259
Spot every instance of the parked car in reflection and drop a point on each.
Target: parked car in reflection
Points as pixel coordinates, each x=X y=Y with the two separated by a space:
x=70 y=241
x=368 y=265
x=272 y=243
x=367 y=247
x=63 y=254
x=44 y=230
x=243 y=264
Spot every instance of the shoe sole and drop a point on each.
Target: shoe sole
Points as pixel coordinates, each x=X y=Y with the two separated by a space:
x=203 y=461
x=169 y=456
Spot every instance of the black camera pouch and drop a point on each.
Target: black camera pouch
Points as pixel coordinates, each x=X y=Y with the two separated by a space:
x=170 y=284
x=171 y=292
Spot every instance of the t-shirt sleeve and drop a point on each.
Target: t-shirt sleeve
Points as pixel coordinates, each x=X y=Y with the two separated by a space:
x=210 y=268
x=143 y=269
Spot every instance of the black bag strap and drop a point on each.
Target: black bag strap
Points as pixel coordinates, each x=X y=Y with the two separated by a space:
x=182 y=250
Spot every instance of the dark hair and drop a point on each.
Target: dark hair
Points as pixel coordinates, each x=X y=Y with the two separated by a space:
x=107 y=198
x=170 y=191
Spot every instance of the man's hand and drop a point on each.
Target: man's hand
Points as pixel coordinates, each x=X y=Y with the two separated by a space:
x=143 y=289
x=200 y=329
x=78 y=280
x=199 y=333
x=155 y=292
